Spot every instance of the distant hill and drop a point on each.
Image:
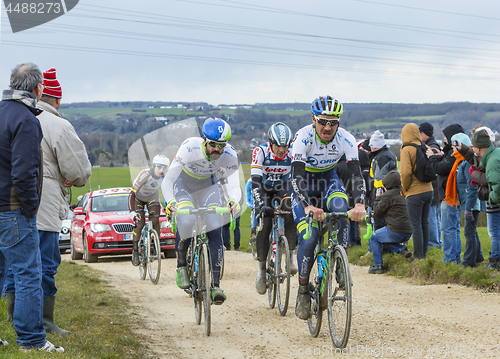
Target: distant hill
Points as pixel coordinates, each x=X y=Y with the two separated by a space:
x=109 y=128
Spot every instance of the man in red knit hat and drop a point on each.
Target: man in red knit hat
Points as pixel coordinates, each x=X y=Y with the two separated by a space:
x=65 y=164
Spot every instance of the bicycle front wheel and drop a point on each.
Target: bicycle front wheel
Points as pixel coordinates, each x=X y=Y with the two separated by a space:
x=339 y=300
x=142 y=258
x=194 y=278
x=205 y=285
x=314 y=322
x=282 y=275
x=154 y=257
x=270 y=278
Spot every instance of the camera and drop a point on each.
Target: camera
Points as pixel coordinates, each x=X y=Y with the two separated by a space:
x=455 y=143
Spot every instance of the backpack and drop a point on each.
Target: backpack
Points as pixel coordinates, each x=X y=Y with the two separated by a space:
x=423 y=169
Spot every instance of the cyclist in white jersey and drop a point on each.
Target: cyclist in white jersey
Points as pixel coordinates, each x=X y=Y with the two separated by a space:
x=316 y=187
x=144 y=194
x=191 y=182
x=270 y=171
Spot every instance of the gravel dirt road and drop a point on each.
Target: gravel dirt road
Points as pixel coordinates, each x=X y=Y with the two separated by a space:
x=392 y=317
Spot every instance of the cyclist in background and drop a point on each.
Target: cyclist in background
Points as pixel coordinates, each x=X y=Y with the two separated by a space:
x=270 y=172
x=316 y=150
x=191 y=182
x=145 y=194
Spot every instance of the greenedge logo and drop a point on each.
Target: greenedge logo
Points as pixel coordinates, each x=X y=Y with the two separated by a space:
x=26 y=14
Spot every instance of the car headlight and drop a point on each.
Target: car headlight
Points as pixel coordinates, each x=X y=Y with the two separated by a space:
x=166 y=224
x=99 y=227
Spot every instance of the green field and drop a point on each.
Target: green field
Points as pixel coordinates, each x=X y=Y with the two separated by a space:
x=103 y=177
x=112 y=113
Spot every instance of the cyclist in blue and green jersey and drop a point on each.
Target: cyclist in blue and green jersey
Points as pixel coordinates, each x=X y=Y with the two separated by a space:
x=316 y=187
x=191 y=182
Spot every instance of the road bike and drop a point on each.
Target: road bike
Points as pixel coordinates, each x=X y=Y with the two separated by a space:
x=199 y=264
x=331 y=283
x=149 y=250
x=278 y=261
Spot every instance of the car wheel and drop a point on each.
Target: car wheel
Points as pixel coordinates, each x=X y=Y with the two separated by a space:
x=73 y=253
x=87 y=257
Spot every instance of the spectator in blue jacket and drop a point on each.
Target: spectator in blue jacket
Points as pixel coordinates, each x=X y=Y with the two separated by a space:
x=20 y=161
x=467 y=196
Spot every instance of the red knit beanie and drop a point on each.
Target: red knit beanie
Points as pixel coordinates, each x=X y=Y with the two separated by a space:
x=52 y=86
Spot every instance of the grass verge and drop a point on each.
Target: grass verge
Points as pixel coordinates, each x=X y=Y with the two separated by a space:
x=432 y=270
x=99 y=319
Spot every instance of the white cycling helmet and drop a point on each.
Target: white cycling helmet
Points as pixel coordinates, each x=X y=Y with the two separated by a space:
x=161 y=160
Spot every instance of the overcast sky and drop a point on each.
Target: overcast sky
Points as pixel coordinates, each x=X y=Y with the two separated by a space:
x=222 y=51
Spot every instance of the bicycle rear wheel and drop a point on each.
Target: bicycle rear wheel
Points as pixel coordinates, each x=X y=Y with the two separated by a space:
x=314 y=322
x=205 y=286
x=154 y=257
x=141 y=247
x=282 y=274
x=270 y=278
x=339 y=298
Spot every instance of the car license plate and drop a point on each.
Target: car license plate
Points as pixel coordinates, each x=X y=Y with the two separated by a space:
x=127 y=237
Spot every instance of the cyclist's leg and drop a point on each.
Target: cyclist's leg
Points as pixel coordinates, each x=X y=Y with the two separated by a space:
x=185 y=223
x=154 y=206
x=210 y=197
x=136 y=232
x=335 y=200
x=263 y=235
x=262 y=242
x=305 y=259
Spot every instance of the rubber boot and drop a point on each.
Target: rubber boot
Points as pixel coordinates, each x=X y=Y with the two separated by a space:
x=11 y=299
x=48 y=316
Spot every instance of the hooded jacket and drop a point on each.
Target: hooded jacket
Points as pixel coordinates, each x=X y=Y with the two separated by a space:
x=410 y=185
x=392 y=205
x=442 y=166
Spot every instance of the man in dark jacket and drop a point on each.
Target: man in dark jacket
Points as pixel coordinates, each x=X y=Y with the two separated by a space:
x=382 y=161
x=20 y=161
x=450 y=215
x=392 y=205
x=427 y=137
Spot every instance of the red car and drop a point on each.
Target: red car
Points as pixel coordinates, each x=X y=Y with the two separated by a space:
x=101 y=225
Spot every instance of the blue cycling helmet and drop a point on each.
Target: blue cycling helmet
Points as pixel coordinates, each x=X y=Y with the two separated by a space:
x=280 y=134
x=216 y=129
x=327 y=105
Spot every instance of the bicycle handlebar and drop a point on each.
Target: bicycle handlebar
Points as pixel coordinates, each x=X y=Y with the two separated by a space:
x=369 y=226
x=309 y=220
x=202 y=211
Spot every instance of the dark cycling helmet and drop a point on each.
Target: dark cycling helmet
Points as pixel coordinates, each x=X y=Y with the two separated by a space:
x=327 y=105
x=216 y=129
x=280 y=134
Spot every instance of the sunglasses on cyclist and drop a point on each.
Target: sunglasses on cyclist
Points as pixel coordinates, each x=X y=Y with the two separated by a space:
x=162 y=167
x=324 y=121
x=217 y=144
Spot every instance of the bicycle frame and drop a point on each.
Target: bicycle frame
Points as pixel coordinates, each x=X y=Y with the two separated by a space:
x=201 y=276
x=332 y=288
x=278 y=278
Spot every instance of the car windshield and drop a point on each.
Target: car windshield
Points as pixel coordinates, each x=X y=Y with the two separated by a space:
x=110 y=203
